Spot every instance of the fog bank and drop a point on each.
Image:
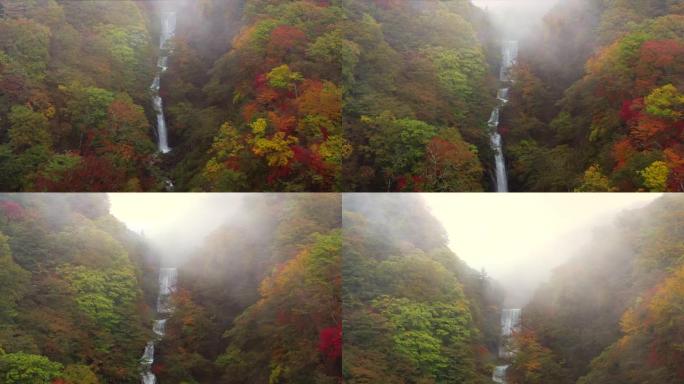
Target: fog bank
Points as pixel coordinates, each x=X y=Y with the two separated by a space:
x=175 y=224
x=518 y=239
x=516 y=18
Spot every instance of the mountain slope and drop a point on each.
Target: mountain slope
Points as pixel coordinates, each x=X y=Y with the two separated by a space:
x=72 y=304
x=601 y=110
x=613 y=313
x=73 y=83
x=260 y=301
x=413 y=312
x=317 y=95
x=417 y=95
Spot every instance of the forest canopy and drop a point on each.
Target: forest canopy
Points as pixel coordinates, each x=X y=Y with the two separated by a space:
x=598 y=100
x=325 y=288
x=258 y=95
x=82 y=297
x=339 y=95
x=74 y=291
x=413 y=311
x=612 y=313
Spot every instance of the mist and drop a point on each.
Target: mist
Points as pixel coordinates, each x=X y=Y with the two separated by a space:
x=516 y=239
x=193 y=23
x=515 y=19
x=176 y=225
x=519 y=239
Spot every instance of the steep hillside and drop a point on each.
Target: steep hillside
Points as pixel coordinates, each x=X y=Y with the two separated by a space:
x=613 y=313
x=72 y=305
x=418 y=94
x=256 y=95
x=260 y=302
x=338 y=95
x=413 y=312
x=262 y=113
x=332 y=95
x=73 y=83
x=598 y=103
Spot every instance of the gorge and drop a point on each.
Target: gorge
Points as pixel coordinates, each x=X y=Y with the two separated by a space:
x=355 y=95
x=87 y=298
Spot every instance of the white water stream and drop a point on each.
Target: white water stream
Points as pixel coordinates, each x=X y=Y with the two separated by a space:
x=509 y=56
x=511 y=320
x=167 y=286
x=168 y=30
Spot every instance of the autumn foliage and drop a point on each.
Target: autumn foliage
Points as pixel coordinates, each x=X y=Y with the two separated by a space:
x=629 y=286
x=76 y=87
x=11 y=209
x=330 y=342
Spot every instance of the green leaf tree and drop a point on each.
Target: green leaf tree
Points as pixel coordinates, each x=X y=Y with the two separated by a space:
x=23 y=368
x=655 y=176
x=282 y=77
x=79 y=374
x=28 y=128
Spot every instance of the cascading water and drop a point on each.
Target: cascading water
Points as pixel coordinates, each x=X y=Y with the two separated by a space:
x=168 y=30
x=509 y=56
x=510 y=321
x=159 y=327
x=167 y=286
x=510 y=324
x=499 y=375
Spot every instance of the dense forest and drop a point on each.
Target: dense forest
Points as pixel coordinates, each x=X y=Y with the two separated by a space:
x=75 y=292
x=613 y=313
x=320 y=95
x=324 y=289
x=260 y=301
x=73 y=94
x=413 y=311
x=598 y=103
x=419 y=96
x=297 y=95
x=337 y=95
x=252 y=95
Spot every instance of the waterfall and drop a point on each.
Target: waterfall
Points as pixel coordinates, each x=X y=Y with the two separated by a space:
x=509 y=56
x=148 y=355
x=159 y=327
x=502 y=95
x=510 y=324
x=499 y=375
x=149 y=378
x=510 y=321
x=168 y=30
x=168 y=278
x=167 y=285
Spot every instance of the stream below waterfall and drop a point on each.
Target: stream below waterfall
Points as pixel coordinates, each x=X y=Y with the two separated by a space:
x=167 y=286
x=511 y=321
x=509 y=54
x=168 y=30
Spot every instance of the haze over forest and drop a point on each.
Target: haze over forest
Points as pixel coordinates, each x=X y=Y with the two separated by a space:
x=519 y=240
x=175 y=225
x=596 y=295
x=320 y=288
x=516 y=18
x=332 y=95
x=84 y=299
x=321 y=98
